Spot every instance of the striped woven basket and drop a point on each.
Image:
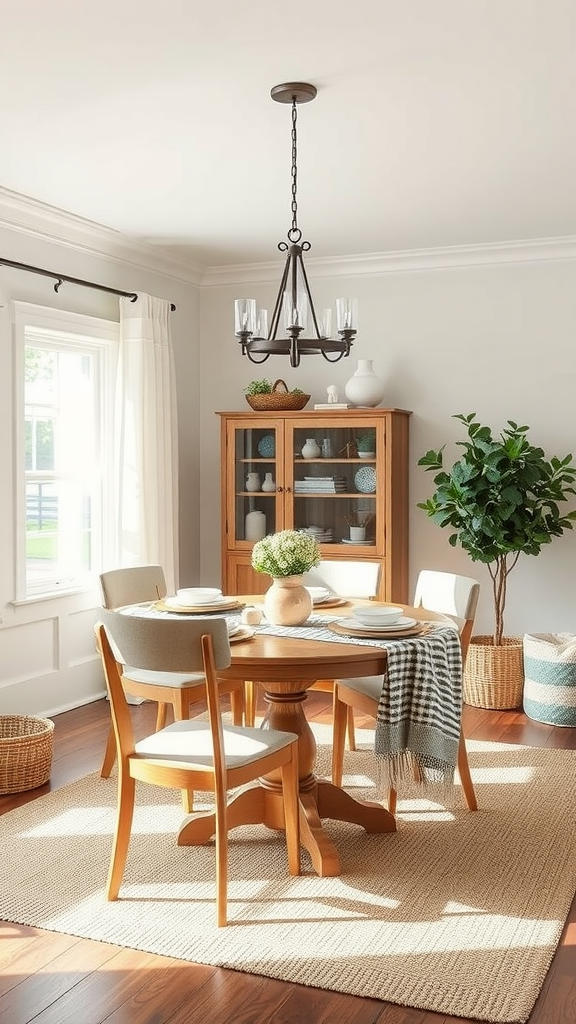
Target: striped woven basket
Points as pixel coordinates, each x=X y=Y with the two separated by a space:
x=550 y=678
x=26 y=746
x=494 y=676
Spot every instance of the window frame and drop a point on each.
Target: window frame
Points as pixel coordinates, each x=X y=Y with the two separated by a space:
x=64 y=330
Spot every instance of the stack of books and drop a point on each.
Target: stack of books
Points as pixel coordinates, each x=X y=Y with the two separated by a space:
x=320 y=485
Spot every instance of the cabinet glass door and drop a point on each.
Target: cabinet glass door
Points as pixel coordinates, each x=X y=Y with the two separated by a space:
x=336 y=493
x=258 y=454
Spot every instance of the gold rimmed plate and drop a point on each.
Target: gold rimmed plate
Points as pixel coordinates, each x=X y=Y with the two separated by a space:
x=225 y=605
x=378 y=634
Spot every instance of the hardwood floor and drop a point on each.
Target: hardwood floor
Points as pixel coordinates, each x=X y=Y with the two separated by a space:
x=50 y=978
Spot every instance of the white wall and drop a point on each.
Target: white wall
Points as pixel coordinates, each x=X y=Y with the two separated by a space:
x=496 y=338
x=47 y=656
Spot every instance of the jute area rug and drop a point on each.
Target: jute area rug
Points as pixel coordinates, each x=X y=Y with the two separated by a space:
x=458 y=913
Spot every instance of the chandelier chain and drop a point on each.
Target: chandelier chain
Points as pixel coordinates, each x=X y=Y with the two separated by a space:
x=294 y=233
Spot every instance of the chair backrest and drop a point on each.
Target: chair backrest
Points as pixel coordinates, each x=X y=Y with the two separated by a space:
x=180 y=645
x=449 y=594
x=346 y=578
x=132 y=586
x=166 y=645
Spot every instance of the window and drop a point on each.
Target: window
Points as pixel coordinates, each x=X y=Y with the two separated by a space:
x=64 y=366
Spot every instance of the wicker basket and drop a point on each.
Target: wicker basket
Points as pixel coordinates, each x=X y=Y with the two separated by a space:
x=26 y=745
x=277 y=400
x=494 y=676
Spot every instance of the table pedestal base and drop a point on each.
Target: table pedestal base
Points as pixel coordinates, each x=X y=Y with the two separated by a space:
x=258 y=804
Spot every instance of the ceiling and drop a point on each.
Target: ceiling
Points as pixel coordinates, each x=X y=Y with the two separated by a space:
x=437 y=122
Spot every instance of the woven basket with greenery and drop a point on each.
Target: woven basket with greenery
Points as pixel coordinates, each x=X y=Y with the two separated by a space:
x=26 y=746
x=279 y=399
x=494 y=676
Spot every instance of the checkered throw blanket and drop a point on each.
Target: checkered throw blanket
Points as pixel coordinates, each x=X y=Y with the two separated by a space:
x=419 y=714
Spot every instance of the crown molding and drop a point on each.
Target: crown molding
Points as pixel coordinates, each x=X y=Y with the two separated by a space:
x=38 y=220
x=411 y=260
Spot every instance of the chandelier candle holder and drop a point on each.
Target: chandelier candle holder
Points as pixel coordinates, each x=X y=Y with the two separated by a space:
x=306 y=333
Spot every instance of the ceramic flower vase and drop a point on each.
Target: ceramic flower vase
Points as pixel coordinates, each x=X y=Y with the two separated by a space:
x=311 y=449
x=253 y=482
x=287 y=602
x=364 y=389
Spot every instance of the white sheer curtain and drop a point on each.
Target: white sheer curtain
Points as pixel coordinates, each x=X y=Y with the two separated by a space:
x=146 y=440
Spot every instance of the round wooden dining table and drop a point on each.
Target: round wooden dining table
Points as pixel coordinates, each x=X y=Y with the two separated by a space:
x=285 y=667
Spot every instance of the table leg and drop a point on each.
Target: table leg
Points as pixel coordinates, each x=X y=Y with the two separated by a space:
x=261 y=802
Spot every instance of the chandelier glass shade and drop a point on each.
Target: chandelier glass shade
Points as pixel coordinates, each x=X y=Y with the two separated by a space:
x=295 y=328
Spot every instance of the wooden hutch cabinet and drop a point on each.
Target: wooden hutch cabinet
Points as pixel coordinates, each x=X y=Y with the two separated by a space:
x=330 y=488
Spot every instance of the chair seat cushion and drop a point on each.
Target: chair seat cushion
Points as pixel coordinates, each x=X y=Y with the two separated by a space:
x=191 y=741
x=171 y=680
x=371 y=686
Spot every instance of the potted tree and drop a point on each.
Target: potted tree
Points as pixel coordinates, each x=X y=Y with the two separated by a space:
x=501 y=499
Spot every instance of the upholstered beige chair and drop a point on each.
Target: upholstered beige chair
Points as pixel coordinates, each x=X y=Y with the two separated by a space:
x=444 y=592
x=138 y=585
x=187 y=755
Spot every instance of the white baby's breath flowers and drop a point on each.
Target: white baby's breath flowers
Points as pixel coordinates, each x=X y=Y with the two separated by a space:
x=288 y=553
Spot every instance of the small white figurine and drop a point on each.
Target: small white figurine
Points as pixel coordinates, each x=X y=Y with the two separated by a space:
x=332 y=394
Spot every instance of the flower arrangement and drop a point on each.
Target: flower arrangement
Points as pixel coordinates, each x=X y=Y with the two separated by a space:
x=288 y=553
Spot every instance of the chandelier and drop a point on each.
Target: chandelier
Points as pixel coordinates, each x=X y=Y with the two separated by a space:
x=294 y=305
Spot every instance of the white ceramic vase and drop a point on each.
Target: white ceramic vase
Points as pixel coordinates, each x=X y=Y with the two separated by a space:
x=287 y=602
x=364 y=389
x=253 y=482
x=255 y=526
x=311 y=449
x=269 y=484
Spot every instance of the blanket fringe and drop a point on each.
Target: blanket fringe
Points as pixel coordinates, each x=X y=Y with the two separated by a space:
x=412 y=774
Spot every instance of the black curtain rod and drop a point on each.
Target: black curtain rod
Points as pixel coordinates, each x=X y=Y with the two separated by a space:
x=60 y=278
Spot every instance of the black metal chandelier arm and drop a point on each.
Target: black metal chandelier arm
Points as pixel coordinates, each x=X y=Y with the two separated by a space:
x=279 y=299
x=252 y=360
x=338 y=357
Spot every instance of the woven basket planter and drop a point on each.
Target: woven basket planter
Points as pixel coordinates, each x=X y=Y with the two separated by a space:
x=277 y=400
x=26 y=746
x=494 y=676
x=550 y=678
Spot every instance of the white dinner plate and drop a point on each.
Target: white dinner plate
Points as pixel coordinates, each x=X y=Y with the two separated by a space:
x=177 y=602
x=404 y=622
x=361 y=543
x=234 y=627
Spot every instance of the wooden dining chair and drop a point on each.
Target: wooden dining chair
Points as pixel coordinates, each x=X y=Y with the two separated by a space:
x=343 y=579
x=444 y=592
x=137 y=585
x=207 y=756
